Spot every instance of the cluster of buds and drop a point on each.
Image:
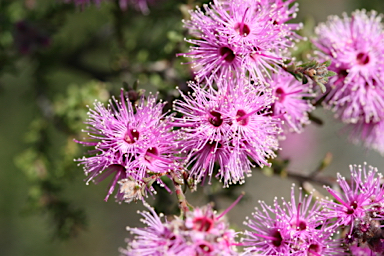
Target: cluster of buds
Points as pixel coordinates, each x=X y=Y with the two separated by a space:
x=317 y=72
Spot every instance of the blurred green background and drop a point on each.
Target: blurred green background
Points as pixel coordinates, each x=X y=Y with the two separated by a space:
x=105 y=44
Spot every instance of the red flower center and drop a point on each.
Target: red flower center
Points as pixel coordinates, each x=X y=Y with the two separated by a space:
x=205 y=248
x=314 y=249
x=302 y=225
x=240 y=117
x=278 y=239
x=352 y=209
x=280 y=94
x=242 y=29
x=227 y=53
x=131 y=136
x=151 y=154
x=215 y=118
x=202 y=224
x=362 y=58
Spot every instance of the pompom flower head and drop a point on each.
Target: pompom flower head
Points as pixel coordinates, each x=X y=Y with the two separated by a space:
x=291 y=229
x=292 y=101
x=227 y=126
x=362 y=251
x=359 y=208
x=202 y=233
x=129 y=141
x=351 y=204
x=355 y=45
x=370 y=135
x=236 y=36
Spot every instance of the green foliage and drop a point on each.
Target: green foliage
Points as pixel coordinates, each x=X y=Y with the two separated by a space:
x=313 y=70
x=71 y=108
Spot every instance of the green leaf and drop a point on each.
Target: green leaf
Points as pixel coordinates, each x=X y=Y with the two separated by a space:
x=327 y=63
x=322 y=87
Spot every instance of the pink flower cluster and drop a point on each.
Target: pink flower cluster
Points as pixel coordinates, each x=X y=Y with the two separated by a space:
x=231 y=121
x=359 y=208
x=294 y=229
x=227 y=126
x=355 y=45
x=132 y=142
x=234 y=37
x=201 y=233
x=351 y=224
x=236 y=112
x=355 y=217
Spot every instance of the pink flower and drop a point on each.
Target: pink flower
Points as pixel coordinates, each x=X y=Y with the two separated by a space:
x=214 y=56
x=368 y=134
x=137 y=141
x=292 y=103
x=362 y=251
x=227 y=126
x=355 y=45
x=291 y=229
x=350 y=205
x=359 y=207
x=238 y=36
x=269 y=235
x=202 y=233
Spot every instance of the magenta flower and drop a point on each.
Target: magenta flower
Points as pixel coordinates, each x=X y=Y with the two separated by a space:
x=303 y=217
x=355 y=45
x=209 y=233
x=206 y=130
x=321 y=243
x=368 y=134
x=137 y=141
x=203 y=232
x=213 y=56
x=269 y=235
x=157 y=239
x=350 y=205
x=292 y=103
x=359 y=207
x=283 y=11
x=291 y=229
x=254 y=130
x=361 y=251
x=238 y=36
x=226 y=127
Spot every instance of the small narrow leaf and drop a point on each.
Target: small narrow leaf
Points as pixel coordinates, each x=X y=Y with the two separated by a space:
x=327 y=63
x=322 y=87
